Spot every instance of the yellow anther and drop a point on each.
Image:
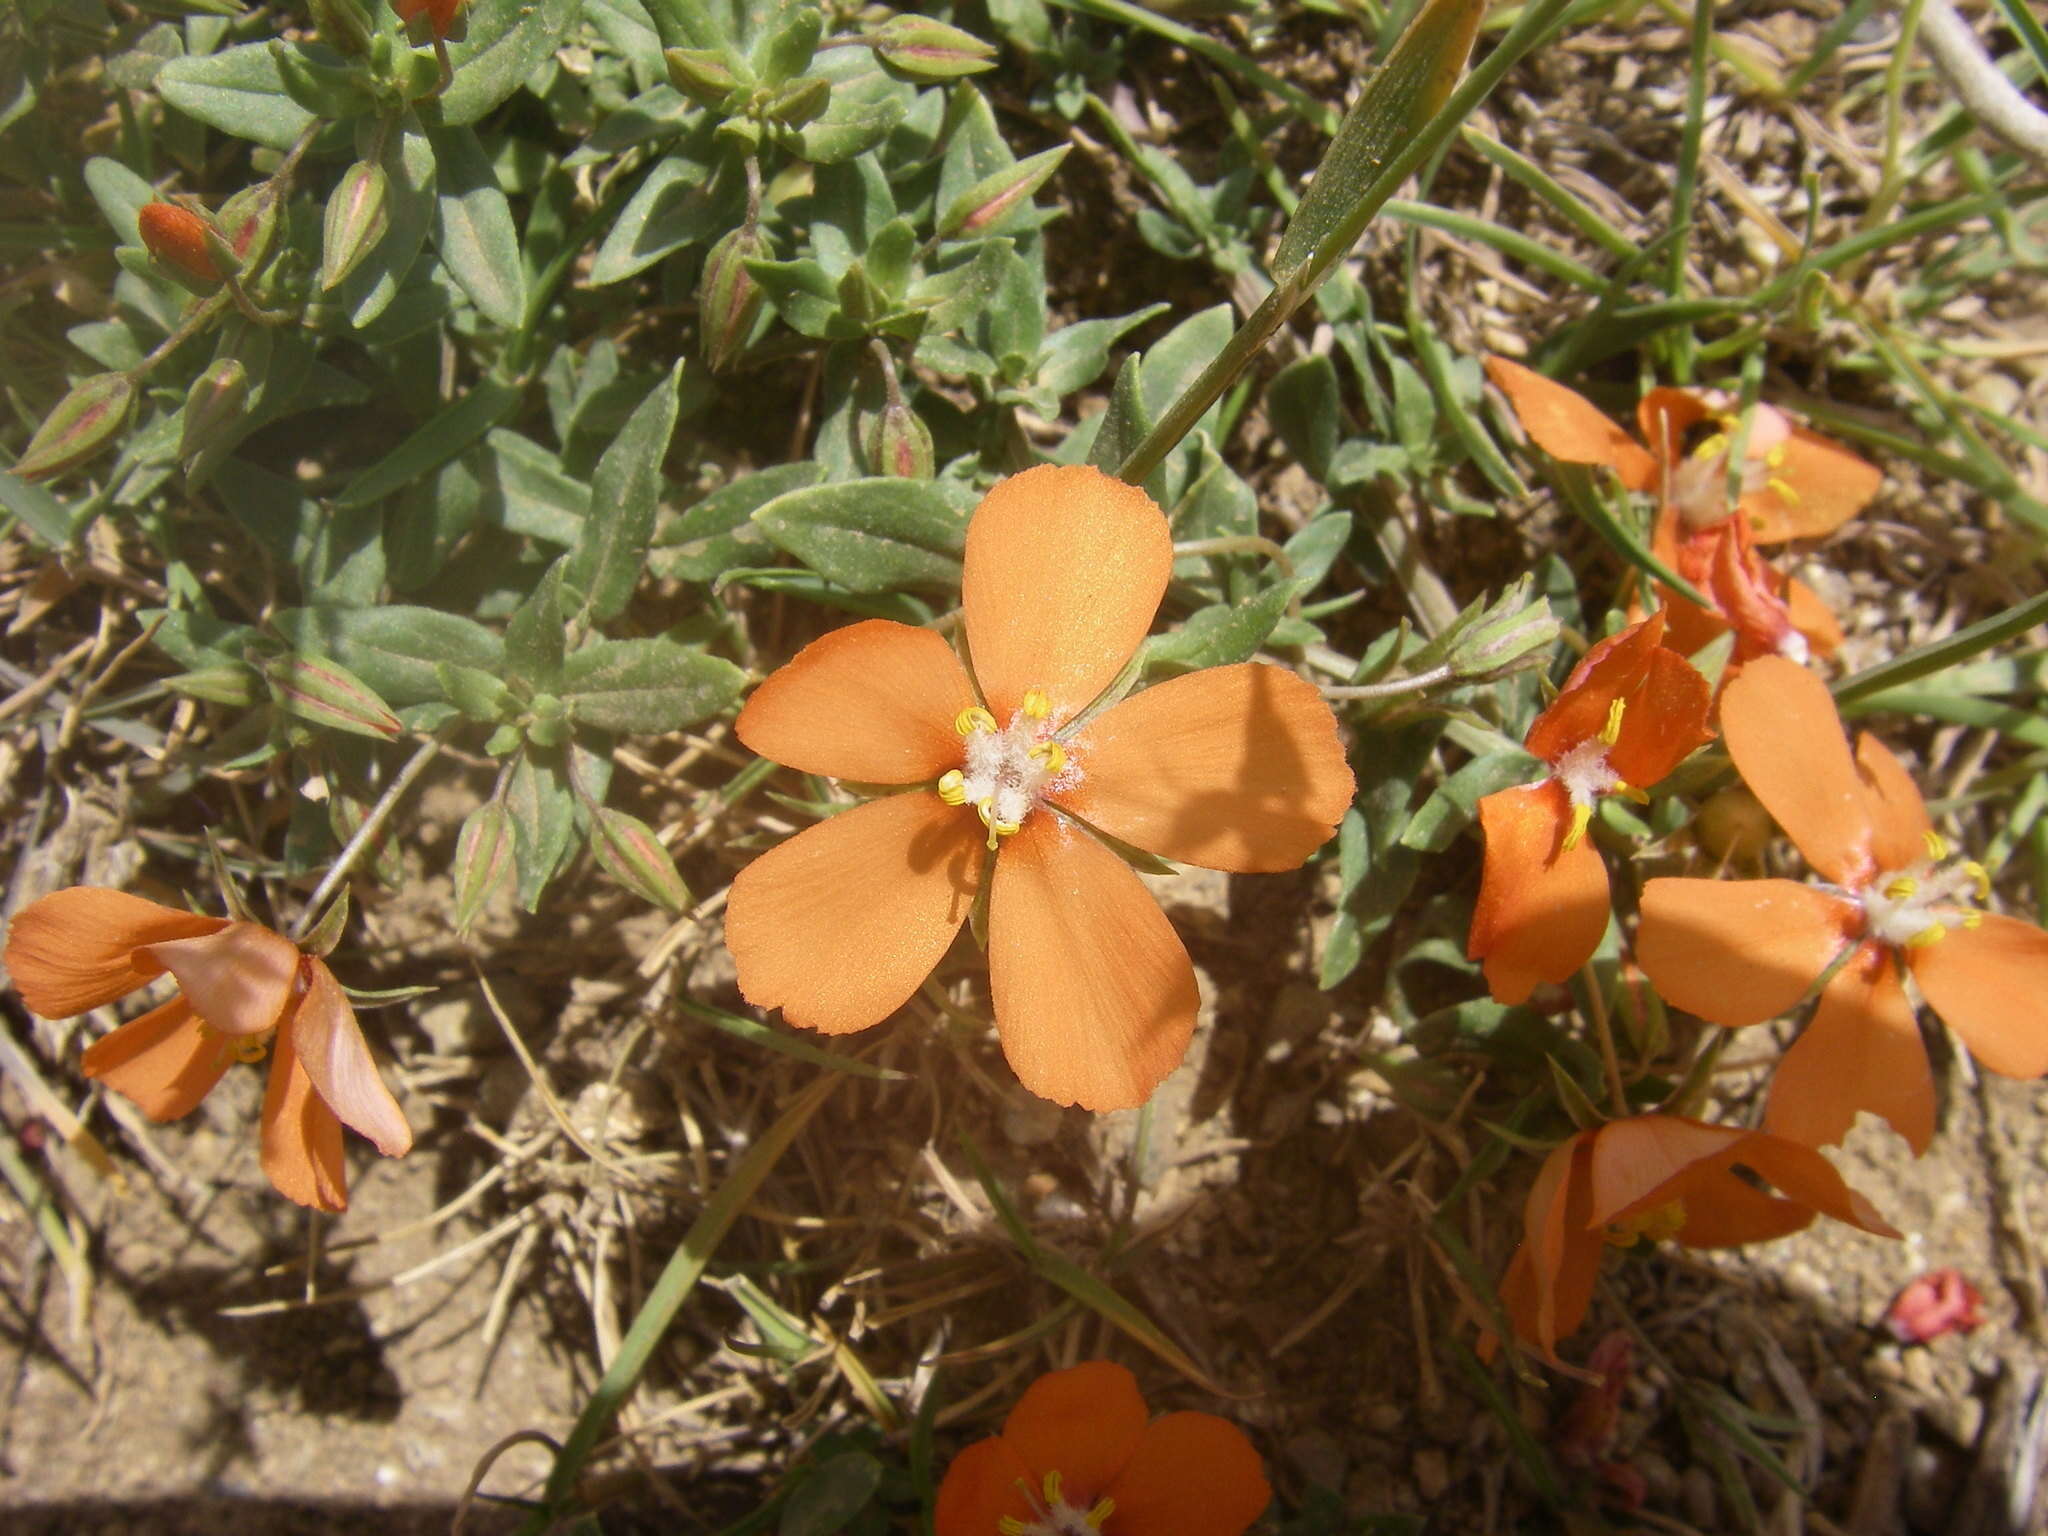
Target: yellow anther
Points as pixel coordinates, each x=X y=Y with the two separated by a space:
x=1050 y=753
x=1657 y=1224
x=953 y=787
x=1610 y=733
x=1582 y=816
x=1933 y=933
x=1718 y=443
x=1036 y=705
x=1775 y=457
x=1980 y=879
x=974 y=718
x=1100 y=1514
x=996 y=828
x=1901 y=888
x=1973 y=919
x=1010 y=1525
x=1937 y=845
x=247 y=1049
x=1629 y=792
x=1784 y=489
x=1053 y=1484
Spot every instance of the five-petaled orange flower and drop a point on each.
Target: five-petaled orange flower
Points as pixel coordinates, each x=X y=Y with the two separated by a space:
x=1077 y=1457
x=1629 y=712
x=238 y=982
x=1236 y=768
x=1796 y=484
x=440 y=14
x=1657 y=1176
x=1741 y=952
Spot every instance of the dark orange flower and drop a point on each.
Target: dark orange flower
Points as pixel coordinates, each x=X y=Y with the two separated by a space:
x=238 y=982
x=1796 y=484
x=1077 y=1457
x=177 y=237
x=1657 y=1177
x=440 y=14
x=1628 y=714
x=1741 y=952
x=1236 y=768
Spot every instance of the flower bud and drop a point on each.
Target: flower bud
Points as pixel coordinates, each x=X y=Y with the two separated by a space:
x=213 y=405
x=801 y=101
x=994 y=197
x=316 y=689
x=441 y=14
x=626 y=848
x=705 y=75
x=358 y=215
x=897 y=443
x=217 y=685
x=176 y=237
x=343 y=26
x=930 y=50
x=1514 y=635
x=83 y=423
x=247 y=226
x=728 y=298
x=483 y=860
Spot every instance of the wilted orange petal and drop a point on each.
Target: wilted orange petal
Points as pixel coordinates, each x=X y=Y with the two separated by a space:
x=1234 y=768
x=1549 y=1283
x=1095 y=997
x=1990 y=985
x=1862 y=1051
x=874 y=702
x=1721 y=1211
x=1192 y=1474
x=1635 y=1162
x=1829 y=485
x=301 y=1136
x=1739 y=951
x=239 y=980
x=1612 y=669
x=163 y=1060
x=75 y=949
x=1082 y=1423
x=1899 y=823
x=1541 y=908
x=1802 y=1175
x=1065 y=567
x=985 y=1485
x=1566 y=425
x=1814 y=620
x=1748 y=592
x=839 y=925
x=1780 y=725
x=330 y=1046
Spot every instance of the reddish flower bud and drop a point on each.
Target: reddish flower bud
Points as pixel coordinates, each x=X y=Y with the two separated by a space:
x=177 y=238
x=440 y=14
x=1940 y=1301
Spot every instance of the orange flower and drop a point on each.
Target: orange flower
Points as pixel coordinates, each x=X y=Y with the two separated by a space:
x=1077 y=1457
x=81 y=948
x=1657 y=1176
x=1740 y=952
x=440 y=14
x=1237 y=768
x=1629 y=712
x=1796 y=485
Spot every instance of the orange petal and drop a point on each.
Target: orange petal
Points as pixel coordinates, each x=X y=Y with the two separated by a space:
x=1542 y=908
x=1064 y=570
x=1665 y=720
x=1234 y=768
x=1549 y=1283
x=1636 y=1162
x=1192 y=1474
x=1990 y=985
x=75 y=949
x=301 y=1136
x=1722 y=1211
x=164 y=1060
x=1612 y=669
x=1662 y=416
x=1566 y=425
x=1095 y=997
x=239 y=979
x=1862 y=1051
x=1739 y=951
x=985 y=1485
x=1829 y=485
x=1803 y=1176
x=839 y=925
x=874 y=702
x=1748 y=592
x=1781 y=728
x=1899 y=823
x=1812 y=617
x=1082 y=1423
x=330 y=1046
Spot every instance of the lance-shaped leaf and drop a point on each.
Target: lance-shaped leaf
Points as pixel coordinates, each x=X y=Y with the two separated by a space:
x=871 y=535
x=643 y=687
x=625 y=494
x=483 y=860
x=473 y=228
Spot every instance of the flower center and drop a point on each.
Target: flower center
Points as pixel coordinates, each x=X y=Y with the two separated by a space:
x=1657 y=1223
x=1698 y=483
x=1586 y=775
x=1056 y=1517
x=247 y=1049
x=1008 y=769
x=1916 y=906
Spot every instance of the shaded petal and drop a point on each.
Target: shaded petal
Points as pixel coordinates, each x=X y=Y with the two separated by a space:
x=874 y=702
x=1781 y=728
x=1990 y=985
x=1549 y=1283
x=1739 y=951
x=1064 y=570
x=1723 y=1211
x=1748 y=592
x=1812 y=617
x=1862 y=1051
x=76 y=949
x=239 y=979
x=1662 y=416
x=1566 y=425
x=839 y=925
x=1899 y=823
x=1612 y=669
x=330 y=1046
x=1095 y=997
x=1082 y=1423
x=1802 y=1175
x=164 y=1060
x=1829 y=485
x=1192 y=1474
x=1541 y=908
x=1665 y=721
x=301 y=1136
x=1235 y=768
x=1636 y=1163
x=985 y=1485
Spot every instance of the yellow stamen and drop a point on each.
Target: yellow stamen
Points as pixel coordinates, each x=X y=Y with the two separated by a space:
x=1582 y=816
x=1010 y=1525
x=1973 y=919
x=247 y=1049
x=1937 y=845
x=1933 y=933
x=1036 y=705
x=1776 y=456
x=1053 y=1484
x=1103 y=1509
x=1050 y=753
x=1629 y=792
x=996 y=829
x=1901 y=889
x=953 y=787
x=1718 y=443
x=1657 y=1224
x=1784 y=489
x=1610 y=733
x=974 y=718
x=1980 y=879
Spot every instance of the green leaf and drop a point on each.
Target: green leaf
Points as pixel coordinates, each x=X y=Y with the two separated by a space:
x=644 y=687
x=1075 y=355
x=503 y=46
x=458 y=424
x=473 y=228
x=121 y=195
x=827 y=1500
x=238 y=91
x=535 y=635
x=718 y=532
x=624 y=496
x=1220 y=634
x=543 y=812
x=1452 y=808
x=480 y=695
x=679 y=202
x=534 y=496
x=1177 y=359
x=871 y=535
x=395 y=650
x=41 y=512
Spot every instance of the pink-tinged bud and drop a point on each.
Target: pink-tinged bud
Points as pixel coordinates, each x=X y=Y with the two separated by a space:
x=358 y=216
x=897 y=443
x=214 y=404
x=217 y=685
x=930 y=50
x=177 y=237
x=626 y=848
x=728 y=298
x=704 y=75
x=247 y=226
x=318 y=690
x=993 y=198
x=483 y=861
x=440 y=14
x=801 y=101
x=83 y=423
x=343 y=26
